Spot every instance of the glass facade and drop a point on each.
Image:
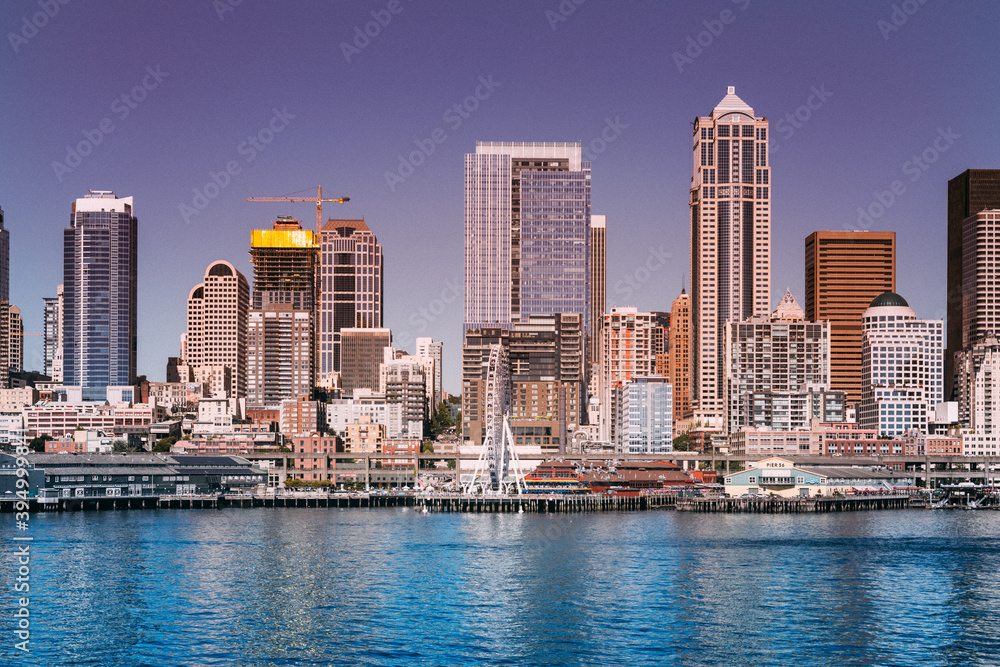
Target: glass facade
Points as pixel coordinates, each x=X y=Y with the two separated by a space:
x=99 y=279
x=527 y=233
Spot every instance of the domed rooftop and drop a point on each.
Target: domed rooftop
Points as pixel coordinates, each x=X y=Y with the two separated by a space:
x=889 y=300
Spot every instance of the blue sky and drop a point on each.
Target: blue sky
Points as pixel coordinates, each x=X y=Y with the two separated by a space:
x=200 y=78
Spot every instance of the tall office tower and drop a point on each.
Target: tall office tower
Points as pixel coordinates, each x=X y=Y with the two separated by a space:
x=844 y=272
x=527 y=233
x=15 y=350
x=52 y=332
x=977 y=369
x=730 y=239
x=781 y=352
x=99 y=294
x=980 y=310
x=279 y=355
x=902 y=364
x=351 y=285
x=547 y=365
x=679 y=356
x=645 y=418
x=362 y=351
x=285 y=262
x=428 y=347
x=4 y=260
x=970 y=192
x=626 y=353
x=598 y=281
x=217 y=311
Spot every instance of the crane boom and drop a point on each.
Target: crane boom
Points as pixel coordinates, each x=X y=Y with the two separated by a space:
x=318 y=199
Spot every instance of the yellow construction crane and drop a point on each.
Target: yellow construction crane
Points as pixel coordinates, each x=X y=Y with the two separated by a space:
x=318 y=199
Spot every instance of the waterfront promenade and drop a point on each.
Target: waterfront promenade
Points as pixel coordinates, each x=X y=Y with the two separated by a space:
x=456 y=502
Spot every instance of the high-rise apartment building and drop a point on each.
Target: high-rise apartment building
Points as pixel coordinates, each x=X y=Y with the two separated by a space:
x=15 y=349
x=844 y=272
x=405 y=381
x=351 y=282
x=679 y=356
x=362 y=352
x=217 y=312
x=99 y=294
x=527 y=233
x=547 y=365
x=730 y=239
x=627 y=352
x=970 y=192
x=902 y=365
x=598 y=281
x=280 y=353
x=52 y=332
x=430 y=348
x=778 y=353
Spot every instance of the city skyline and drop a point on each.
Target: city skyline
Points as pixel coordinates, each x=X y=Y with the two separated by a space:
x=839 y=161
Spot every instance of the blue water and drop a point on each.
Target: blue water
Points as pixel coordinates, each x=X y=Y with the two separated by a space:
x=395 y=587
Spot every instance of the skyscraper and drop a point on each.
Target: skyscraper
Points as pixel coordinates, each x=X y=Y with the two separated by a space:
x=217 y=311
x=4 y=260
x=679 y=357
x=99 y=295
x=980 y=276
x=626 y=352
x=902 y=365
x=970 y=192
x=527 y=233
x=844 y=272
x=52 y=332
x=351 y=285
x=15 y=349
x=285 y=262
x=730 y=239
x=598 y=281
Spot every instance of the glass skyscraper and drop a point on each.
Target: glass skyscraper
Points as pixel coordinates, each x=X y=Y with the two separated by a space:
x=99 y=295
x=527 y=233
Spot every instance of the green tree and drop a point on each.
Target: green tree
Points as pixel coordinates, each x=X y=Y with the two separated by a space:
x=38 y=444
x=682 y=443
x=119 y=446
x=164 y=444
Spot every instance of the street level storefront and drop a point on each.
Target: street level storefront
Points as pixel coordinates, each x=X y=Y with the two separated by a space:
x=785 y=478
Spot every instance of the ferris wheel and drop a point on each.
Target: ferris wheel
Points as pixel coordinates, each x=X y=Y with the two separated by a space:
x=493 y=472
